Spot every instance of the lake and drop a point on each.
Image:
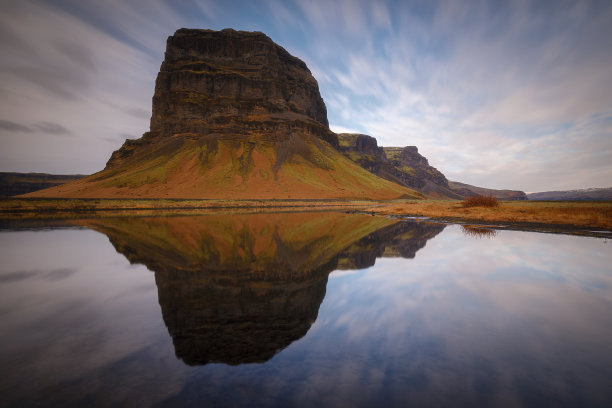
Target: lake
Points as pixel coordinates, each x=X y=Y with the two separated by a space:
x=301 y=309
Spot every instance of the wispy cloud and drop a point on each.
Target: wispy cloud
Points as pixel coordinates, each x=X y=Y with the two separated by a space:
x=477 y=88
x=42 y=127
x=10 y=126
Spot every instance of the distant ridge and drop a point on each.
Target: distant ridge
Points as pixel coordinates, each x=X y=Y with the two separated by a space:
x=588 y=194
x=468 y=190
x=12 y=184
x=235 y=116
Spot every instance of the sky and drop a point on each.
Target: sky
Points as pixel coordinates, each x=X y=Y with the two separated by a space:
x=498 y=94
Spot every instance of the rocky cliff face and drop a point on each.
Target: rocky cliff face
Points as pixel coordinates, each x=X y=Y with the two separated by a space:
x=415 y=169
x=233 y=85
x=363 y=150
x=229 y=81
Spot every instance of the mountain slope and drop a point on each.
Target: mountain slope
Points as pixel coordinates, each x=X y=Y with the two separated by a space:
x=234 y=116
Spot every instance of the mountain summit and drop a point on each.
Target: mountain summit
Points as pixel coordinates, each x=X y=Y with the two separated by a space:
x=234 y=116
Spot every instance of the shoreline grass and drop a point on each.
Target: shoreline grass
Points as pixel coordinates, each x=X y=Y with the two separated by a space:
x=584 y=214
x=41 y=208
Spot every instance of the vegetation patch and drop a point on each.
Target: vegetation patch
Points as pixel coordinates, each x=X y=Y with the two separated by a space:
x=480 y=201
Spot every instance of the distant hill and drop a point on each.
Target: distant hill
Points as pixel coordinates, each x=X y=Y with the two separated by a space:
x=589 y=194
x=468 y=190
x=12 y=184
x=406 y=166
x=234 y=116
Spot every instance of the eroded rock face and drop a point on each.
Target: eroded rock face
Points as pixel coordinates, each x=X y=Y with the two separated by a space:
x=233 y=82
x=231 y=85
x=402 y=165
x=417 y=169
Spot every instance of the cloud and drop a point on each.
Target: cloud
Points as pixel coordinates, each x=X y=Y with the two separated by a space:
x=52 y=128
x=139 y=112
x=49 y=128
x=52 y=275
x=476 y=89
x=14 y=127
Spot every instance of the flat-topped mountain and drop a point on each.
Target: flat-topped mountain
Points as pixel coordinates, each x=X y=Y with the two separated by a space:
x=234 y=116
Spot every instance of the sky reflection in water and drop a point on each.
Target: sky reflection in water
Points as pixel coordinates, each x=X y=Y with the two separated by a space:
x=441 y=318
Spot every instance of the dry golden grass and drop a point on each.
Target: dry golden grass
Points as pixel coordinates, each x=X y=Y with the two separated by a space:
x=582 y=214
x=480 y=201
x=43 y=208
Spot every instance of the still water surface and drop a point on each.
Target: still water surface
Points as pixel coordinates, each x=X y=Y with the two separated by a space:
x=302 y=309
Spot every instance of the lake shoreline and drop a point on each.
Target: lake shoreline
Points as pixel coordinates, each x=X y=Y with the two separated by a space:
x=571 y=217
x=583 y=218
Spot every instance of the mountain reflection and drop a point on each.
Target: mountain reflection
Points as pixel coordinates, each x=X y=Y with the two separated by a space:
x=238 y=288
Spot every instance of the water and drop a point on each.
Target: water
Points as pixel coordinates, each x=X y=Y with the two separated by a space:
x=302 y=309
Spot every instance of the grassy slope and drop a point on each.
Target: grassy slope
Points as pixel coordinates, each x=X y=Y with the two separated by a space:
x=303 y=167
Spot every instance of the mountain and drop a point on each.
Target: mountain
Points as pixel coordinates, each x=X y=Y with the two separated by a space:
x=467 y=190
x=402 y=165
x=12 y=184
x=234 y=116
x=589 y=194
